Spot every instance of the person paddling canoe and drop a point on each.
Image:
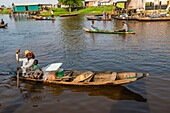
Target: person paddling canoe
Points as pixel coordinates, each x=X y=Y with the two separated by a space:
x=27 y=62
x=2 y=21
x=124 y=28
x=92 y=27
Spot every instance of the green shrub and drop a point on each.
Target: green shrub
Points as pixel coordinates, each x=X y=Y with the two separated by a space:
x=97 y=9
x=147 y=4
x=5 y=11
x=45 y=14
x=59 y=10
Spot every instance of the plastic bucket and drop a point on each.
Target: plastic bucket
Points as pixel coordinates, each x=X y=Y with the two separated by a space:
x=60 y=73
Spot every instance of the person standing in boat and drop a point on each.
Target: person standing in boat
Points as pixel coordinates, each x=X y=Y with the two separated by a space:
x=52 y=14
x=2 y=21
x=92 y=27
x=27 y=62
x=124 y=28
x=104 y=14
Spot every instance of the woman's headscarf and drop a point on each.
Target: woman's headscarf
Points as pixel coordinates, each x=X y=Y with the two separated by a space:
x=29 y=52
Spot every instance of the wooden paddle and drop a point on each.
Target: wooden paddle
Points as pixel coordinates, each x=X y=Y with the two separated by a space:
x=18 y=69
x=86 y=29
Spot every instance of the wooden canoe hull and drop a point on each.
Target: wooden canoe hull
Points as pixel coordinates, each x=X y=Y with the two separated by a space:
x=153 y=19
x=99 y=79
x=128 y=18
x=98 y=19
x=114 y=83
x=68 y=15
x=3 y=25
x=44 y=19
x=109 y=31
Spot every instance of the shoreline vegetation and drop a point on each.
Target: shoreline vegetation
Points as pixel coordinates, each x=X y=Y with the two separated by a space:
x=58 y=11
x=5 y=11
x=88 y=10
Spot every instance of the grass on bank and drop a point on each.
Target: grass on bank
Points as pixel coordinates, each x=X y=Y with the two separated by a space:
x=96 y=9
x=57 y=12
x=5 y=11
x=89 y=10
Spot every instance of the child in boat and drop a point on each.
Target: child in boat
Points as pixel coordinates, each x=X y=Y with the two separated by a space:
x=35 y=66
x=92 y=27
x=36 y=72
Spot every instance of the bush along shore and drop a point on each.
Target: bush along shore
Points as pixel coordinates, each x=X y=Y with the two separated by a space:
x=4 y=11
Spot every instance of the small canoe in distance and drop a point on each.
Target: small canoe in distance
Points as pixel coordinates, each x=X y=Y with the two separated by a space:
x=153 y=19
x=97 y=79
x=109 y=31
x=34 y=17
x=125 y=18
x=68 y=15
x=45 y=19
x=3 y=25
x=98 y=18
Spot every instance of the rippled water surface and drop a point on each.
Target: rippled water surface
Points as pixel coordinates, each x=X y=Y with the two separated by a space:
x=65 y=41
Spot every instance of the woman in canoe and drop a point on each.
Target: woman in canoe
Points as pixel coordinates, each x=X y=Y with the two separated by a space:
x=92 y=27
x=27 y=62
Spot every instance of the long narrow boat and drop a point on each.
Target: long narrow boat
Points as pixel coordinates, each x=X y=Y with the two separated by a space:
x=3 y=25
x=68 y=15
x=125 y=18
x=153 y=19
x=44 y=18
x=91 y=78
x=109 y=31
x=98 y=19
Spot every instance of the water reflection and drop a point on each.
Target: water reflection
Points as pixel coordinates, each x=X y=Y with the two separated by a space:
x=104 y=25
x=113 y=93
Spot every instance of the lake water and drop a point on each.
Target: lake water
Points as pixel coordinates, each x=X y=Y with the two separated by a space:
x=65 y=41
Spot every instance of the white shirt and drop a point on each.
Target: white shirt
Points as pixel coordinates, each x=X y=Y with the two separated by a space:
x=26 y=63
x=125 y=27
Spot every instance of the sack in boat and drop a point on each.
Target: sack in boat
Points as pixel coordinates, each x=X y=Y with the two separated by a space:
x=37 y=74
x=51 y=75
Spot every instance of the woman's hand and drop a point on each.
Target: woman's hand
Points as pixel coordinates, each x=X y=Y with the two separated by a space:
x=17 y=51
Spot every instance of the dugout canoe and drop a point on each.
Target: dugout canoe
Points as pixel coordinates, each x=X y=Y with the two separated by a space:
x=95 y=78
x=98 y=19
x=68 y=15
x=153 y=19
x=3 y=25
x=45 y=19
x=125 y=18
x=109 y=31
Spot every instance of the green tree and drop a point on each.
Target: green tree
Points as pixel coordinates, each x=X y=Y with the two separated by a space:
x=71 y=3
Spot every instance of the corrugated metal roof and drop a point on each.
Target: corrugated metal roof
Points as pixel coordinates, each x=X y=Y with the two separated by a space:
x=25 y=4
x=119 y=0
x=90 y=0
x=105 y=1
